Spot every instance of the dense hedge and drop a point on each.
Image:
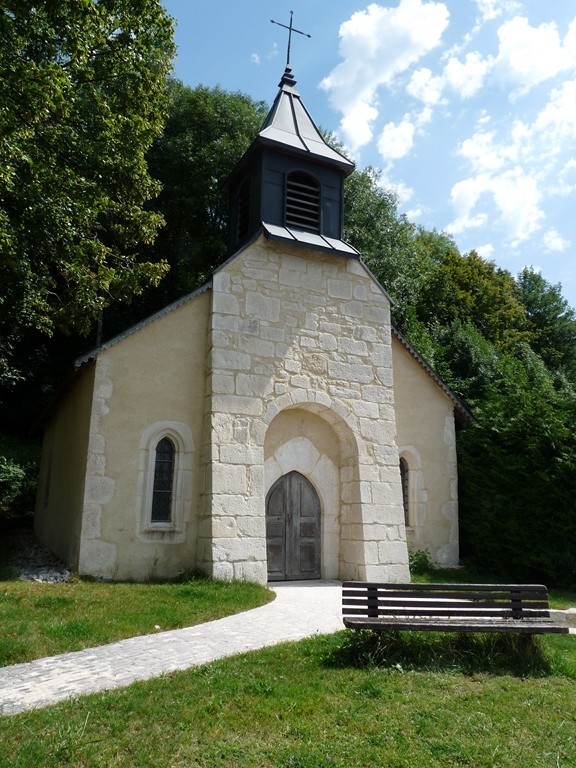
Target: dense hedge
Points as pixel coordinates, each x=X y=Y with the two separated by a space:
x=518 y=477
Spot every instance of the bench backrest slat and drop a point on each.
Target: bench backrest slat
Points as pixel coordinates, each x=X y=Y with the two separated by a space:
x=455 y=600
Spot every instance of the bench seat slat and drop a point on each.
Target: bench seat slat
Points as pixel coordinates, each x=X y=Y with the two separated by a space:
x=458 y=625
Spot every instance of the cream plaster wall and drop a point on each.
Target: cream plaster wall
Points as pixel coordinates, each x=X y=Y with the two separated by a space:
x=149 y=383
x=289 y=329
x=287 y=364
x=58 y=517
x=427 y=440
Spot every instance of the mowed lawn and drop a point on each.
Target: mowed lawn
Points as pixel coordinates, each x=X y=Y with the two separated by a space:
x=410 y=701
x=38 y=619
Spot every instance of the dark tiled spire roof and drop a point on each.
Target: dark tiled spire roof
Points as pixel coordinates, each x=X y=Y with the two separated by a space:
x=289 y=125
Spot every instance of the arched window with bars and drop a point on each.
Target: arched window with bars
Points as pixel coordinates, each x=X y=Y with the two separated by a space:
x=163 y=488
x=405 y=480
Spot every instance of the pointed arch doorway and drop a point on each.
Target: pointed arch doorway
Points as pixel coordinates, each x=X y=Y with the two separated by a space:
x=293 y=529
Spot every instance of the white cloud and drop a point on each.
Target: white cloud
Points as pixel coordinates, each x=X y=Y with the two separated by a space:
x=557 y=121
x=529 y=55
x=565 y=182
x=517 y=196
x=255 y=59
x=404 y=192
x=492 y=9
x=425 y=86
x=485 y=154
x=376 y=45
x=415 y=213
x=468 y=77
x=396 y=140
x=423 y=117
x=486 y=251
x=511 y=176
x=465 y=195
x=514 y=193
x=526 y=55
x=554 y=242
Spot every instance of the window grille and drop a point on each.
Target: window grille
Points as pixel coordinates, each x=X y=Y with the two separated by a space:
x=302 y=202
x=163 y=482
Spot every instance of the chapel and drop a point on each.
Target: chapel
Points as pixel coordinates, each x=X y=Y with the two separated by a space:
x=270 y=426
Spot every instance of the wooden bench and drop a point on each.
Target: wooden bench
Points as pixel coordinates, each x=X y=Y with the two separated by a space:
x=521 y=608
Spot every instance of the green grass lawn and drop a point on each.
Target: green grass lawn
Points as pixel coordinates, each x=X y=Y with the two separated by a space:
x=45 y=619
x=430 y=702
x=398 y=700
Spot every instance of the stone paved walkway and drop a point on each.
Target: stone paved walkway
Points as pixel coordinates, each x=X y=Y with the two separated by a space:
x=300 y=609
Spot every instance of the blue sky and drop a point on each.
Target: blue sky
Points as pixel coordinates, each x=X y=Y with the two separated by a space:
x=467 y=106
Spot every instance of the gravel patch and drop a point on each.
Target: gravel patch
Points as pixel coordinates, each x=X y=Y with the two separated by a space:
x=33 y=562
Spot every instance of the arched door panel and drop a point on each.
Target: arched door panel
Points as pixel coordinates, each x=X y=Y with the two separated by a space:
x=293 y=529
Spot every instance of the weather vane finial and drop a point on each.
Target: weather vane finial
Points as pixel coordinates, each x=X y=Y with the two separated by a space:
x=290 y=30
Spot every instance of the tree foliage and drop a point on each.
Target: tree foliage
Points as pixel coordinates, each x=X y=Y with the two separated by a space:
x=518 y=475
x=83 y=98
x=207 y=131
x=551 y=321
x=472 y=290
x=388 y=242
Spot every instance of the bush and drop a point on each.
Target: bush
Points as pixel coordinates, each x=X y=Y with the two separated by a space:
x=517 y=485
x=19 y=465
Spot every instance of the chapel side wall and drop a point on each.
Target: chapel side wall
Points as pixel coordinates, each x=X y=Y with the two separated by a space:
x=426 y=438
x=60 y=496
x=295 y=328
x=153 y=378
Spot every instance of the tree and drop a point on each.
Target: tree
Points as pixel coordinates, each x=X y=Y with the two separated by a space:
x=517 y=469
x=206 y=133
x=83 y=97
x=477 y=292
x=551 y=320
x=387 y=241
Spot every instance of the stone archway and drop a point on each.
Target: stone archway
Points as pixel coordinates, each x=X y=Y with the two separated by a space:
x=299 y=440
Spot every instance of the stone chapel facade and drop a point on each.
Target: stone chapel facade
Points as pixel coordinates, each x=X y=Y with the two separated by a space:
x=270 y=426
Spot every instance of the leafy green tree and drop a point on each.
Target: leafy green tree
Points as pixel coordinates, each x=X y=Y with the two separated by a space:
x=551 y=320
x=477 y=292
x=206 y=133
x=467 y=362
x=83 y=97
x=517 y=466
x=388 y=242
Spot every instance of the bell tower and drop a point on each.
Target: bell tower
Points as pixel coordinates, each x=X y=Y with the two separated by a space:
x=290 y=182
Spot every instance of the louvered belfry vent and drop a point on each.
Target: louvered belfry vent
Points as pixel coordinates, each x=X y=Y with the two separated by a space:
x=302 y=202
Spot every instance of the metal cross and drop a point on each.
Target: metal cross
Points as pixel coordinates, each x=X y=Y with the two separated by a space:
x=290 y=30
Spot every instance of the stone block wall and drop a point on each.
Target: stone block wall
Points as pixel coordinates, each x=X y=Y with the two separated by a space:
x=297 y=329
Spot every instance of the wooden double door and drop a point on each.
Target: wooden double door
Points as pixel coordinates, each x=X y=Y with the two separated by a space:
x=293 y=529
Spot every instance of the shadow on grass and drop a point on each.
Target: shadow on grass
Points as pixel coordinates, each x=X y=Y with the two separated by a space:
x=496 y=654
